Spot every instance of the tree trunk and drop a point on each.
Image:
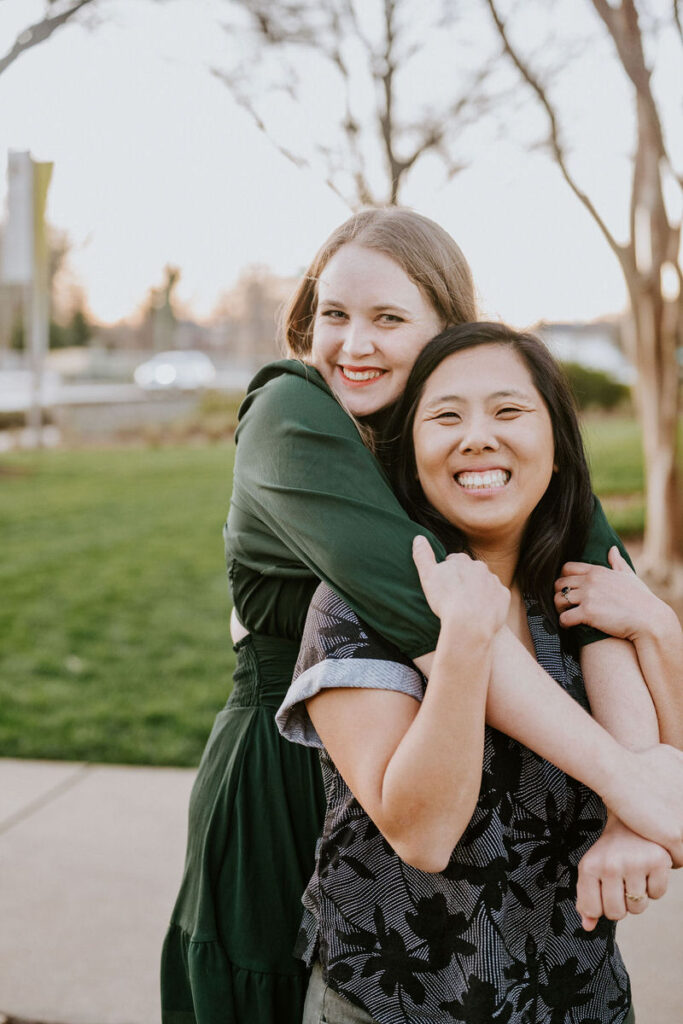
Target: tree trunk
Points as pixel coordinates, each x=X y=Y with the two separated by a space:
x=659 y=447
x=654 y=351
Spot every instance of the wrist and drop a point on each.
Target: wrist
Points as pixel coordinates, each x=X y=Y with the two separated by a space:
x=467 y=630
x=660 y=623
x=613 y=766
x=614 y=824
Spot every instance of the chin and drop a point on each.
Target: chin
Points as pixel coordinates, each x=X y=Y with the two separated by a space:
x=365 y=408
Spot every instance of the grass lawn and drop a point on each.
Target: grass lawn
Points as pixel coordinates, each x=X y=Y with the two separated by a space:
x=614 y=450
x=114 y=610
x=615 y=455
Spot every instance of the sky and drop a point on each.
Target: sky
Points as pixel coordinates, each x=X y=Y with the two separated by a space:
x=156 y=163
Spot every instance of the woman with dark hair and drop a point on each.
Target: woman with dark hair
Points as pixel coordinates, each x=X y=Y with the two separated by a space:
x=446 y=873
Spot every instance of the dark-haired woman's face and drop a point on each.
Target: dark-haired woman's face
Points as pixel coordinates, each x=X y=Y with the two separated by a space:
x=483 y=442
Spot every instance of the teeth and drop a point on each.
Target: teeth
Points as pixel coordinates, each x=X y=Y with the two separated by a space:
x=480 y=481
x=361 y=374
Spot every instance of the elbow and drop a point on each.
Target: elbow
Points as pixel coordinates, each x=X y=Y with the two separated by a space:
x=429 y=849
x=423 y=831
x=430 y=861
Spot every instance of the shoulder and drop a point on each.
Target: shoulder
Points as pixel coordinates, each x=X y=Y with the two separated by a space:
x=333 y=632
x=289 y=410
x=290 y=398
x=281 y=382
x=338 y=650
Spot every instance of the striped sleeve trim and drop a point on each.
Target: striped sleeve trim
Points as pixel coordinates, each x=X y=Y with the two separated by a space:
x=293 y=719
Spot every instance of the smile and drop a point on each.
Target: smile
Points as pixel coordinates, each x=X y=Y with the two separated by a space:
x=482 y=480
x=361 y=376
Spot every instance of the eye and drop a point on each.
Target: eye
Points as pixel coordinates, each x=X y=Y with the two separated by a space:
x=446 y=416
x=333 y=314
x=508 y=412
x=391 y=318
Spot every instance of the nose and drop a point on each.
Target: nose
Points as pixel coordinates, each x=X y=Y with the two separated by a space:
x=358 y=340
x=478 y=435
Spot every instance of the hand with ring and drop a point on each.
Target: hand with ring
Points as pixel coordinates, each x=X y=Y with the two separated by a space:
x=613 y=600
x=619 y=875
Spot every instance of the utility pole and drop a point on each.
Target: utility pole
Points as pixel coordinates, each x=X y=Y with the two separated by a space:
x=26 y=264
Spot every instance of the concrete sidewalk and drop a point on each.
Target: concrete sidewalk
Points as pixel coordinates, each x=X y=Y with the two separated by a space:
x=90 y=860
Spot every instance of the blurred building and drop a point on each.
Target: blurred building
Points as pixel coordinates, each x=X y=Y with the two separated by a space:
x=597 y=346
x=246 y=319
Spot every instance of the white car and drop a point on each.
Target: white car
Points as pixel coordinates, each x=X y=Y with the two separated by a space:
x=183 y=370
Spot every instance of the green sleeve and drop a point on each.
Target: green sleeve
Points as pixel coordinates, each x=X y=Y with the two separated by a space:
x=601 y=538
x=304 y=477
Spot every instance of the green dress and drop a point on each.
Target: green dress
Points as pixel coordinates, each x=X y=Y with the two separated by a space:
x=309 y=503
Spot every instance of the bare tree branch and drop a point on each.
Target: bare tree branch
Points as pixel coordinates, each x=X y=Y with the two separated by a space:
x=677 y=18
x=333 y=32
x=350 y=11
x=38 y=33
x=350 y=126
x=555 y=143
x=622 y=25
x=246 y=104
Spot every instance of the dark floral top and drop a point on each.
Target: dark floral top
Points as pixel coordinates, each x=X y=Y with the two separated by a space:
x=493 y=939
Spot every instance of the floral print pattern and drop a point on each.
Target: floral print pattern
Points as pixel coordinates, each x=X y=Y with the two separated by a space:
x=495 y=937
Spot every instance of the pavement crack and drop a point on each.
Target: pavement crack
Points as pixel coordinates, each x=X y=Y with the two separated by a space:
x=45 y=798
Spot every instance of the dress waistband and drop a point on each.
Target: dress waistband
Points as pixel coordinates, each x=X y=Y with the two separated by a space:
x=263 y=670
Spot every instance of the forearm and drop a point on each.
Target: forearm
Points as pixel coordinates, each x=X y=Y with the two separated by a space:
x=616 y=602
x=642 y=787
x=307 y=492
x=526 y=704
x=432 y=781
x=660 y=653
x=619 y=699
x=620 y=860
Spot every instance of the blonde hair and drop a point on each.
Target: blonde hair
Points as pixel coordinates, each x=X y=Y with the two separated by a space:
x=426 y=253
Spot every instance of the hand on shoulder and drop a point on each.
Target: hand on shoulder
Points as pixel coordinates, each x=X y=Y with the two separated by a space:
x=613 y=600
x=461 y=591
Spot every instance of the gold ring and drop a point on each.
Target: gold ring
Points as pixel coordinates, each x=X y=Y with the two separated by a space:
x=634 y=899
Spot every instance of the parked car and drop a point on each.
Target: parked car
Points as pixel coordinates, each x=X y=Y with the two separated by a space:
x=177 y=369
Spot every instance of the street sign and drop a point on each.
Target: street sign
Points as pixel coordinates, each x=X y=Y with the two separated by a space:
x=18 y=243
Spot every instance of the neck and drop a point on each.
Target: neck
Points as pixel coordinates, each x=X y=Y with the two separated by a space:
x=501 y=557
x=378 y=421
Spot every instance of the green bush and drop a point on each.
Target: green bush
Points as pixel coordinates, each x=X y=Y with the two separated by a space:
x=594 y=389
x=76 y=332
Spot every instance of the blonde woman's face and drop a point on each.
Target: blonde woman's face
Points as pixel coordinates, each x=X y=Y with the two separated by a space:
x=371 y=323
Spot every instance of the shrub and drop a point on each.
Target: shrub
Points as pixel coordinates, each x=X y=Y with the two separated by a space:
x=594 y=388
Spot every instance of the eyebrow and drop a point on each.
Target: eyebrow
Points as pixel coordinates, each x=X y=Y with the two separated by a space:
x=507 y=393
x=375 y=309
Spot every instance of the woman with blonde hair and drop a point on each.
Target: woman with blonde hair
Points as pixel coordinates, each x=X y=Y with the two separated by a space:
x=311 y=502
